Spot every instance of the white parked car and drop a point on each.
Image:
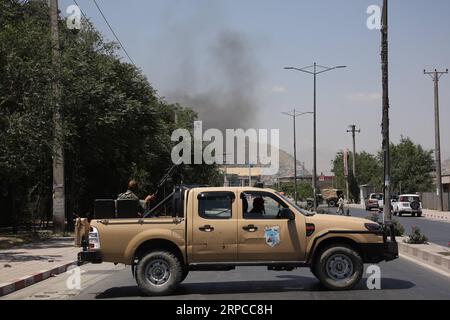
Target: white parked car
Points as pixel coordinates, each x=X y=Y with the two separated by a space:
x=373 y=201
x=409 y=204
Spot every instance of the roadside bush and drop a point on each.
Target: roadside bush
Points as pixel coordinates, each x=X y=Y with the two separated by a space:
x=417 y=237
x=399 y=230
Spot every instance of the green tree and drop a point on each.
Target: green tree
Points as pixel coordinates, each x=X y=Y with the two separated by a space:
x=368 y=171
x=411 y=168
x=115 y=126
x=304 y=190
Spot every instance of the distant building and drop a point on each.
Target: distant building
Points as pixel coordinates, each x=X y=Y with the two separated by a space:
x=325 y=182
x=446 y=183
x=239 y=176
x=290 y=179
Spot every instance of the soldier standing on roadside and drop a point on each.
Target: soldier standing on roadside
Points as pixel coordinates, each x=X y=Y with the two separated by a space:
x=340 y=204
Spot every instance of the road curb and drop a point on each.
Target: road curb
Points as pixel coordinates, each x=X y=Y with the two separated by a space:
x=428 y=256
x=20 y=283
x=436 y=216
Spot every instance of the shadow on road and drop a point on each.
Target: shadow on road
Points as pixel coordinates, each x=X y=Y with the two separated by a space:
x=288 y=284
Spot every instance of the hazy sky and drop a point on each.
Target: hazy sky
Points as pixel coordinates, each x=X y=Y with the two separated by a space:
x=228 y=52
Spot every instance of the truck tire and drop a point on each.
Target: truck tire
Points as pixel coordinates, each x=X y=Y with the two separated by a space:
x=339 y=267
x=159 y=273
x=332 y=203
x=184 y=274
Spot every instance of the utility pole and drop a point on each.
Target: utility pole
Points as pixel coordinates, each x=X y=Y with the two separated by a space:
x=345 y=160
x=354 y=131
x=58 y=152
x=436 y=75
x=294 y=114
x=385 y=124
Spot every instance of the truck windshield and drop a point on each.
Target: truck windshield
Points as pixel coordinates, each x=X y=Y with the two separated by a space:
x=292 y=203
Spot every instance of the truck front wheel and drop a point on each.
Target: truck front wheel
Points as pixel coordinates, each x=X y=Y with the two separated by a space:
x=184 y=274
x=339 y=267
x=158 y=273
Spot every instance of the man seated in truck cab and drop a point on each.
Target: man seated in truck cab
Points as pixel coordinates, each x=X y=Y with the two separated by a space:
x=258 y=206
x=264 y=207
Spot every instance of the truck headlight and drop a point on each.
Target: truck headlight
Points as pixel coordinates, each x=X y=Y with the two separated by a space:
x=374 y=227
x=94 y=239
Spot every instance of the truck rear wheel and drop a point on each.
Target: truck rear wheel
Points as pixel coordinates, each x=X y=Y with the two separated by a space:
x=339 y=267
x=158 y=273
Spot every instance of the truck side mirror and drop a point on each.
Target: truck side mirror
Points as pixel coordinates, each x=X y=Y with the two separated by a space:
x=286 y=213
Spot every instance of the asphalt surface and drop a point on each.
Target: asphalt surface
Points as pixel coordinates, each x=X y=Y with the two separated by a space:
x=436 y=231
x=400 y=279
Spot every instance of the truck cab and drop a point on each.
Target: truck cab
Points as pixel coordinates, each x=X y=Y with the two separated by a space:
x=205 y=228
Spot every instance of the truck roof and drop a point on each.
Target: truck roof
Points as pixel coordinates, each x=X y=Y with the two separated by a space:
x=238 y=189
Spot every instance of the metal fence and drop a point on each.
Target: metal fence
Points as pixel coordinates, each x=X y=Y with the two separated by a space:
x=430 y=201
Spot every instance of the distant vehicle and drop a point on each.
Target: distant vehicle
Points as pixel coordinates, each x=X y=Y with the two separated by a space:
x=310 y=201
x=393 y=198
x=331 y=196
x=409 y=204
x=373 y=201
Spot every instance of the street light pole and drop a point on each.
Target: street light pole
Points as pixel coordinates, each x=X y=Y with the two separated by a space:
x=225 y=180
x=294 y=114
x=436 y=75
x=315 y=141
x=316 y=69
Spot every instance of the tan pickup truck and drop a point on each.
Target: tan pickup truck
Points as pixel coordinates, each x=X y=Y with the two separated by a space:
x=204 y=228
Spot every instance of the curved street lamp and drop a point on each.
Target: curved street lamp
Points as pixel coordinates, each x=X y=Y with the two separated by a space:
x=315 y=69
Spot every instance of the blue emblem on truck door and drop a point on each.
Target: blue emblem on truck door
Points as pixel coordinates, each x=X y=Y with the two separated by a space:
x=272 y=235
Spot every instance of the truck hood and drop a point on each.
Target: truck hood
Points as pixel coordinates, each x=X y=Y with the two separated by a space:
x=338 y=222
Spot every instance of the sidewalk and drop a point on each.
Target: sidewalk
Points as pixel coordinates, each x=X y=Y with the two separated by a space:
x=27 y=264
x=443 y=216
x=437 y=215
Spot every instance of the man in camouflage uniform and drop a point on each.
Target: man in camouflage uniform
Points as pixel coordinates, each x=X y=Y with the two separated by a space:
x=131 y=195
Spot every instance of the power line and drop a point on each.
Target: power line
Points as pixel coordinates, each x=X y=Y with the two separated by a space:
x=115 y=35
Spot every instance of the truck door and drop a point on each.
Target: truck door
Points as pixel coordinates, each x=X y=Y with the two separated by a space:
x=262 y=234
x=214 y=226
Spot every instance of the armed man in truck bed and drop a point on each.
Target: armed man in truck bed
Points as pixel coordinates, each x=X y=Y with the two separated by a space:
x=130 y=194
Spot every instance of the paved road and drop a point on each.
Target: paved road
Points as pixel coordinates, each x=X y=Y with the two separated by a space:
x=436 y=231
x=401 y=279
